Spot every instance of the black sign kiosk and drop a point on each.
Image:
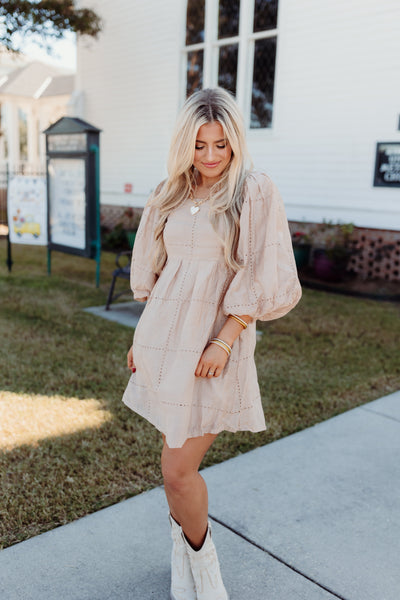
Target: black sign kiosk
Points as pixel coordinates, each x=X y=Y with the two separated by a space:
x=72 y=148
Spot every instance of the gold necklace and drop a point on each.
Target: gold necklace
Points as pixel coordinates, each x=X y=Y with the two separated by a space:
x=196 y=204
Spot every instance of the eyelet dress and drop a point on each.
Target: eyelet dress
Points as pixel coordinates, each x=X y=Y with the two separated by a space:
x=188 y=303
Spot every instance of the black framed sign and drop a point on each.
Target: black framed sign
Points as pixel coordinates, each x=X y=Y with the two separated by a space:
x=73 y=201
x=387 y=164
x=71 y=186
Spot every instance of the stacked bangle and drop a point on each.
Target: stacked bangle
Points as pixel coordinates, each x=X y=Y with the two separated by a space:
x=221 y=344
x=224 y=345
x=238 y=320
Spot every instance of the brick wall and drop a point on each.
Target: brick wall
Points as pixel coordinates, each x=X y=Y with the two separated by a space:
x=112 y=215
x=377 y=251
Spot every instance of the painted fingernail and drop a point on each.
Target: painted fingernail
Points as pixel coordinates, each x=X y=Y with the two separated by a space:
x=133 y=370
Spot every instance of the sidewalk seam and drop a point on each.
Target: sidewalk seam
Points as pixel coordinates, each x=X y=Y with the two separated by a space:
x=276 y=557
x=375 y=412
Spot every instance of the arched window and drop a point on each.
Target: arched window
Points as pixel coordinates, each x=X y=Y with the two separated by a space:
x=232 y=43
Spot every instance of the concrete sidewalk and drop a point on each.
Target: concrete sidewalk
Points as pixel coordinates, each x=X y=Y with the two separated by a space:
x=314 y=516
x=125 y=313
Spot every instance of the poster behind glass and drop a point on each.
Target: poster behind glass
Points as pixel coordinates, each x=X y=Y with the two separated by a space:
x=27 y=210
x=67 y=208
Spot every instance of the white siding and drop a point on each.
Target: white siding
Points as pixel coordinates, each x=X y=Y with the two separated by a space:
x=130 y=79
x=337 y=93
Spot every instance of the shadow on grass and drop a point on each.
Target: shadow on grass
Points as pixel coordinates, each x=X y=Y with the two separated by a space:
x=63 y=478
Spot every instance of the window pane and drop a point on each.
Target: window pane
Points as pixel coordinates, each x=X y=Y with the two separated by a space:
x=227 y=67
x=194 y=70
x=263 y=83
x=265 y=14
x=228 y=20
x=195 y=22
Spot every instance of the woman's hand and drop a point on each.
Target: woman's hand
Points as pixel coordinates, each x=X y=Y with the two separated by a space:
x=129 y=357
x=213 y=359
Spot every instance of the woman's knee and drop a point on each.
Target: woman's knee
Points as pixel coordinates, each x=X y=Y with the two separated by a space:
x=177 y=477
x=180 y=466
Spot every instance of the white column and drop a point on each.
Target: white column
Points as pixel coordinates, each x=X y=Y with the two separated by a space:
x=12 y=135
x=3 y=132
x=32 y=137
x=42 y=140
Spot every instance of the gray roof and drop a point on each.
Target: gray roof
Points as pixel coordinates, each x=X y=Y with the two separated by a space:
x=71 y=125
x=60 y=85
x=28 y=80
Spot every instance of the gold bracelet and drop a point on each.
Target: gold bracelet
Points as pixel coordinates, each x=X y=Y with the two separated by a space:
x=223 y=342
x=222 y=345
x=238 y=320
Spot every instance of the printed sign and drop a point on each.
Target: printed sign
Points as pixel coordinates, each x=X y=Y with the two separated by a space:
x=387 y=164
x=75 y=142
x=27 y=210
x=67 y=183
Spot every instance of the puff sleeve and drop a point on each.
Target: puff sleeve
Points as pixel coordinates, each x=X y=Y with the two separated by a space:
x=143 y=277
x=267 y=285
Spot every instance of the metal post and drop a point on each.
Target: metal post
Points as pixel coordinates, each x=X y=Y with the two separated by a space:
x=9 y=257
x=48 y=214
x=95 y=149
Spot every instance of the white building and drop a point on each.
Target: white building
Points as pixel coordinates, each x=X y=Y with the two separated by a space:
x=32 y=96
x=318 y=82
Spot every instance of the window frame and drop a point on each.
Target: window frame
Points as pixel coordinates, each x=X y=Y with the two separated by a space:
x=246 y=40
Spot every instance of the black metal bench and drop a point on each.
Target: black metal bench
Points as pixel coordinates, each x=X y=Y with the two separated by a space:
x=123 y=271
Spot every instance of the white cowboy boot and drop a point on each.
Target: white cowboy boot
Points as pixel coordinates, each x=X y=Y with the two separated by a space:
x=182 y=584
x=206 y=571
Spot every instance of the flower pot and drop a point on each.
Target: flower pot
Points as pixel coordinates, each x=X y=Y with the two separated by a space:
x=301 y=254
x=131 y=235
x=327 y=267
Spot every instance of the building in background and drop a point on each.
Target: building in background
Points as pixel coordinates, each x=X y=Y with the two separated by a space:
x=32 y=96
x=318 y=83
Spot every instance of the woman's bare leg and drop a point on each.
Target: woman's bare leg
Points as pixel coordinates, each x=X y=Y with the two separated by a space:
x=185 y=488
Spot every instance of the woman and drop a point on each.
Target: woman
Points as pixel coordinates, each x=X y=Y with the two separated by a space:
x=212 y=254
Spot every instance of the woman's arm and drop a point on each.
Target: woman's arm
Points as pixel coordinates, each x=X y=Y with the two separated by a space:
x=232 y=329
x=214 y=357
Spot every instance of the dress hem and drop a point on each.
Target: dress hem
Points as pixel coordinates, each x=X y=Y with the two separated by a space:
x=193 y=434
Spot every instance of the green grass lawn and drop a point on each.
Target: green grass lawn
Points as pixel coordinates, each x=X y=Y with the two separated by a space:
x=68 y=446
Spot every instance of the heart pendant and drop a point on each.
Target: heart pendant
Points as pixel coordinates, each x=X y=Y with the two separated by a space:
x=194 y=209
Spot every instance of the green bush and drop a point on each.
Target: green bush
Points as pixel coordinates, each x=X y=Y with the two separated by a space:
x=114 y=240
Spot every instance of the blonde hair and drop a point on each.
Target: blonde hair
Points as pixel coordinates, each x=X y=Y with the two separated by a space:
x=205 y=106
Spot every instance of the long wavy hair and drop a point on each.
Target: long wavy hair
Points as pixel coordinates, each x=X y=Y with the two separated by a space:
x=202 y=107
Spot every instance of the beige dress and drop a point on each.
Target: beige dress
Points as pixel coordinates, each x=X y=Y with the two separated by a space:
x=189 y=303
